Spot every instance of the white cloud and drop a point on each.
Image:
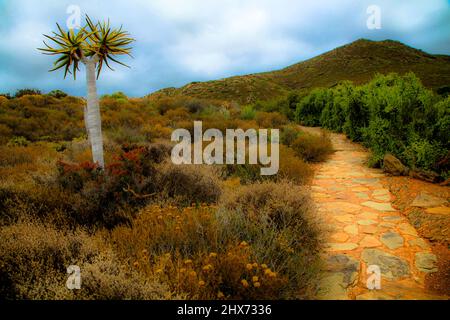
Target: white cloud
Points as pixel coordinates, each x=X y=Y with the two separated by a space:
x=184 y=40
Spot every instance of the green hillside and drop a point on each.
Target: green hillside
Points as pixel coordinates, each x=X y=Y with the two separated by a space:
x=358 y=61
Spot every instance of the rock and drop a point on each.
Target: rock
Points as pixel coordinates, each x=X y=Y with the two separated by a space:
x=366 y=181
x=380 y=192
x=391 y=266
x=406 y=228
x=369 y=242
x=426 y=262
x=387 y=225
x=394 y=166
x=362 y=195
x=366 y=222
x=330 y=287
x=344 y=218
x=424 y=175
x=368 y=229
x=383 y=198
x=392 y=218
x=439 y=210
x=419 y=243
x=351 y=229
x=392 y=240
x=386 y=206
x=346 y=265
x=424 y=200
x=368 y=215
x=342 y=246
x=340 y=237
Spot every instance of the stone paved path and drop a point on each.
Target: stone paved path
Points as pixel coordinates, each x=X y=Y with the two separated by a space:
x=365 y=230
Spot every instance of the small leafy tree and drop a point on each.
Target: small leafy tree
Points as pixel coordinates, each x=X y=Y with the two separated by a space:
x=94 y=45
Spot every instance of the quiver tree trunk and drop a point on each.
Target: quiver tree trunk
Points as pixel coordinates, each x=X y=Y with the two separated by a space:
x=92 y=116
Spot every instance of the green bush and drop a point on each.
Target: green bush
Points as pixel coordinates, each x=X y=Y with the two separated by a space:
x=58 y=94
x=248 y=113
x=22 y=92
x=310 y=108
x=391 y=114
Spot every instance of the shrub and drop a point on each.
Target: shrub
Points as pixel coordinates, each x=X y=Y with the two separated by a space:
x=7 y=96
x=12 y=156
x=424 y=154
x=182 y=248
x=127 y=136
x=311 y=147
x=391 y=114
x=5 y=134
x=107 y=198
x=278 y=222
x=18 y=141
x=270 y=119
x=248 y=113
x=58 y=94
x=188 y=184
x=236 y=251
x=293 y=168
x=309 y=109
x=34 y=259
x=22 y=92
x=289 y=134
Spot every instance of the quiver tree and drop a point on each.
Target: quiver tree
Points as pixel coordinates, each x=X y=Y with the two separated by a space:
x=94 y=45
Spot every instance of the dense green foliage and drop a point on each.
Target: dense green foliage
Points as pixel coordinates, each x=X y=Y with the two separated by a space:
x=391 y=114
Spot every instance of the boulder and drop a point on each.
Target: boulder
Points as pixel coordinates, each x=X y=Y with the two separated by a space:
x=425 y=200
x=394 y=166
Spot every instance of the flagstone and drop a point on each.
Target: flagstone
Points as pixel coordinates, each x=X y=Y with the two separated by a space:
x=369 y=242
x=340 y=237
x=366 y=222
x=342 y=246
x=351 y=229
x=386 y=206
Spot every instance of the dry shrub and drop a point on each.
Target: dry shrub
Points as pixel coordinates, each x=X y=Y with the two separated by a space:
x=278 y=221
x=15 y=155
x=5 y=132
x=270 y=119
x=177 y=114
x=183 y=248
x=289 y=133
x=156 y=131
x=30 y=253
x=34 y=259
x=187 y=183
x=160 y=151
x=231 y=274
x=314 y=148
x=293 y=168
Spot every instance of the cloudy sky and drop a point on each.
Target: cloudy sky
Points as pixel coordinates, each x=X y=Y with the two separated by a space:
x=179 y=41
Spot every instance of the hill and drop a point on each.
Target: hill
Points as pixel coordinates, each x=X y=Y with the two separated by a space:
x=358 y=61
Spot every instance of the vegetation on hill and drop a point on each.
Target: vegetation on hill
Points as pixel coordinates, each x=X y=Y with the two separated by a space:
x=358 y=62
x=143 y=228
x=391 y=114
